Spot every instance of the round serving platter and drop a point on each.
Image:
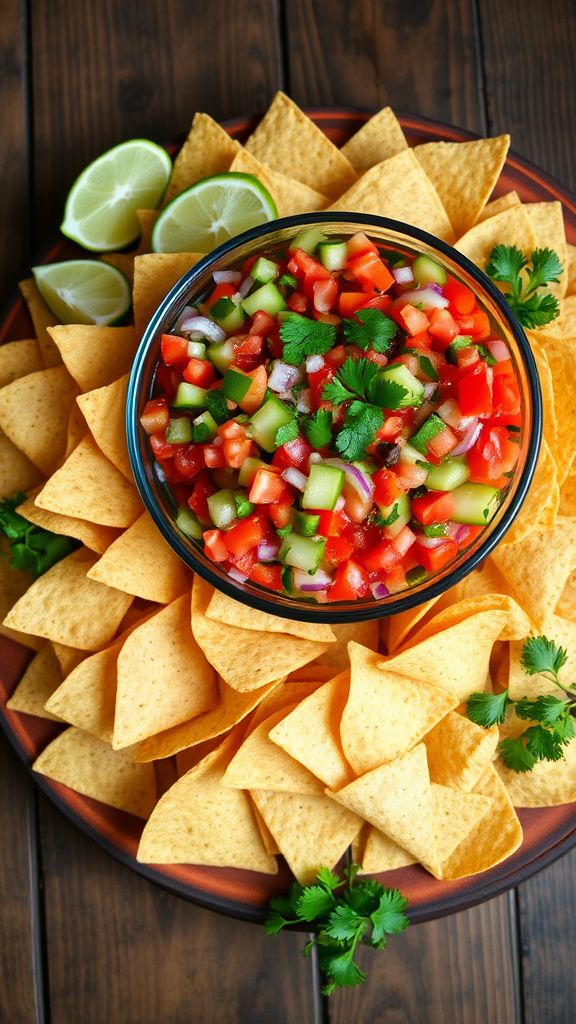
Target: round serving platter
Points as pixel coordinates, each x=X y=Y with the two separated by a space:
x=548 y=832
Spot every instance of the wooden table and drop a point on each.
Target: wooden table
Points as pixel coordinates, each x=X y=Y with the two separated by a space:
x=83 y=939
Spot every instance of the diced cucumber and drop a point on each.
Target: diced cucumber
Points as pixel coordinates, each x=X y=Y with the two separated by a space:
x=179 y=431
x=222 y=508
x=427 y=271
x=302 y=552
x=304 y=523
x=410 y=456
x=308 y=240
x=435 y=530
x=243 y=506
x=401 y=506
x=235 y=385
x=204 y=427
x=233 y=320
x=221 y=354
x=264 y=270
x=416 y=575
x=189 y=396
x=451 y=474
x=248 y=470
x=187 y=522
x=267 y=298
x=333 y=254
x=267 y=420
x=430 y=429
x=400 y=374
x=196 y=350
x=323 y=487
x=475 y=504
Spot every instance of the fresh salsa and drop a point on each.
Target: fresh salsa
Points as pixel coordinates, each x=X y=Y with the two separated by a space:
x=334 y=420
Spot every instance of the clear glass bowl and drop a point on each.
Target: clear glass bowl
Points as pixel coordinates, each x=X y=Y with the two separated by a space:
x=389 y=233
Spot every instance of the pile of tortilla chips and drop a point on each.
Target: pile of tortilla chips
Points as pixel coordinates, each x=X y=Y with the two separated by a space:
x=284 y=737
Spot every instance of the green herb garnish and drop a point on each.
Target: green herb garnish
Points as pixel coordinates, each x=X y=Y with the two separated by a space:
x=304 y=337
x=370 y=328
x=286 y=433
x=218 y=406
x=222 y=308
x=533 y=307
x=30 y=548
x=318 y=428
x=361 y=382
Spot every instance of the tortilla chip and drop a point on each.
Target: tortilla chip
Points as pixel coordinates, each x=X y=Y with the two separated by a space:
x=547 y=222
x=537 y=568
x=199 y=821
x=400 y=626
x=95 y=537
x=38 y=683
x=13 y=584
x=95 y=356
x=19 y=358
x=458 y=751
x=260 y=764
x=64 y=605
x=464 y=175
x=163 y=674
x=207 y=150
x=542 y=494
x=311 y=831
x=222 y=608
x=566 y=605
x=42 y=318
x=364 y=633
x=568 y=496
x=516 y=624
x=87 y=696
x=549 y=425
x=563 y=632
x=291 y=196
x=561 y=353
x=398 y=188
x=189 y=758
x=314 y=673
x=88 y=486
x=284 y=695
x=455 y=815
x=548 y=784
x=499 y=205
x=289 y=142
x=377 y=140
x=382 y=854
x=570 y=269
x=91 y=767
x=17 y=473
x=270 y=844
x=146 y=220
x=386 y=714
x=68 y=657
x=140 y=562
x=105 y=412
x=154 y=275
x=311 y=732
x=34 y=414
x=512 y=225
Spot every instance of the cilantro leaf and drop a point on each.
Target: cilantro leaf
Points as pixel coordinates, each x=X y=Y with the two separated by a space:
x=343 y=970
x=344 y=922
x=390 y=917
x=505 y=264
x=427 y=367
x=304 y=337
x=542 y=744
x=487 y=709
x=314 y=901
x=357 y=375
x=565 y=729
x=360 y=426
x=389 y=519
x=546 y=268
x=364 y=379
x=335 y=392
x=328 y=879
x=286 y=433
x=222 y=308
x=318 y=428
x=516 y=756
x=509 y=265
x=539 y=654
x=547 y=710
x=370 y=328
x=537 y=311
x=387 y=393
x=30 y=548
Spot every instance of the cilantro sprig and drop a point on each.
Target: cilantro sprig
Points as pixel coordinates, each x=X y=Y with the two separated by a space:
x=554 y=715
x=345 y=914
x=361 y=383
x=303 y=337
x=370 y=328
x=318 y=428
x=533 y=307
x=30 y=548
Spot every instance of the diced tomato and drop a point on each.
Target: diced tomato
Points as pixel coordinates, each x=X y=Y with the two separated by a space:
x=160 y=446
x=189 y=460
x=448 y=376
x=317 y=380
x=421 y=341
x=505 y=390
x=440 y=445
x=199 y=372
x=350 y=302
x=413 y=320
x=460 y=297
x=297 y=302
x=358 y=244
x=301 y=264
x=245 y=535
x=325 y=294
x=262 y=323
x=480 y=329
x=245 y=563
x=174 y=350
x=326 y=318
x=237 y=450
x=280 y=513
x=475 y=391
x=248 y=351
x=390 y=429
x=443 y=328
x=254 y=397
x=493 y=455
x=376 y=357
x=337 y=550
x=214 y=545
x=331 y=523
x=434 y=507
x=467 y=356
x=294 y=453
x=221 y=291
x=350 y=582
x=155 y=417
x=381 y=558
x=165 y=381
x=381 y=302
x=370 y=271
x=231 y=429
x=269 y=576
x=403 y=541
x=336 y=357
x=386 y=489
x=214 y=456
x=197 y=500
x=434 y=558
x=267 y=486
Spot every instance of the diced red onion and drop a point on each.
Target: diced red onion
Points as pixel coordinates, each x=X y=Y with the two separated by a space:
x=402 y=275
x=187 y=312
x=206 y=327
x=340 y=503
x=449 y=411
x=267 y=550
x=429 y=298
x=379 y=591
x=435 y=287
x=295 y=478
x=235 y=574
x=498 y=349
x=310 y=583
x=429 y=390
x=430 y=542
x=227 y=277
x=284 y=376
x=470 y=438
x=304 y=404
x=314 y=363
x=314 y=457
x=245 y=286
x=361 y=482
x=457 y=532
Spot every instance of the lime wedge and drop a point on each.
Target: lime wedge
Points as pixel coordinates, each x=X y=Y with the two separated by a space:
x=212 y=211
x=100 y=211
x=84 y=291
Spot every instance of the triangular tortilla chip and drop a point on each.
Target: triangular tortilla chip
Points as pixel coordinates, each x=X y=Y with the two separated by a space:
x=497 y=835
x=34 y=413
x=549 y=424
x=284 y=695
x=381 y=137
x=68 y=657
x=291 y=196
x=95 y=537
x=154 y=275
x=464 y=174
x=40 y=680
x=458 y=751
x=19 y=358
x=541 y=494
x=516 y=624
x=95 y=356
x=365 y=633
x=105 y=413
x=87 y=697
x=42 y=318
x=563 y=632
x=146 y=220
x=270 y=844
x=17 y=473
x=499 y=205
x=512 y=224
x=547 y=223
x=566 y=605
x=311 y=831
x=260 y=764
x=548 y=784
x=163 y=674
x=561 y=353
x=207 y=150
x=140 y=562
x=399 y=626
x=225 y=609
x=91 y=767
x=454 y=816
x=537 y=568
x=382 y=854
x=570 y=269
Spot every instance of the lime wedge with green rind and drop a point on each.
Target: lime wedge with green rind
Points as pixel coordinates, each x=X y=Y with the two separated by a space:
x=84 y=291
x=100 y=211
x=212 y=211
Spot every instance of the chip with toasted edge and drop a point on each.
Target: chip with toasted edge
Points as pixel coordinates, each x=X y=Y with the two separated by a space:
x=537 y=568
x=458 y=751
x=563 y=632
x=542 y=494
x=382 y=854
x=105 y=413
x=566 y=605
x=261 y=764
x=95 y=356
x=225 y=609
x=549 y=424
x=499 y=205
x=365 y=633
x=163 y=677
x=386 y=714
x=517 y=623
x=88 y=486
x=19 y=358
x=68 y=657
x=34 y=413
x=42 y=318
x=77 y=430
x=548 y=784
x=570 y=269
x=561 y=353
x=40 y=680
x=396 y=799
x=17 y=473
x=464 y=175
x=123 y=261
x=270 y=844
x=400 y=626
x=547 y=222
x=313 y=673
x=246 y=659
x=154 y=275
x=455 y=814
x=399 y=188
x=511 y=225
x=95 y=537
x=199 y=821
x=311 y=831
x=207 y=150
x=87 y=696
x=310 y=733
x=567 y=505
x=381 y=137
x=64 y=605
x=455 y=659
x=284 y=695
x=146 y=220
x=140 y=562
x=290 y=196
x=288 y=141
x=89 y=766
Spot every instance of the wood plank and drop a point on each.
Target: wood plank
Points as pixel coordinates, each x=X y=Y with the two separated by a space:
x=460 y=968
x=548 y=929
x=122 y=949
x=420 y=58
x=13 y=166
x=105 y=72
x=20 y=999
x=529 y=54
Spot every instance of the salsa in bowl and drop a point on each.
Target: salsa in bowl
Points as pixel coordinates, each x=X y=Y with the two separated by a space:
x=333 y=419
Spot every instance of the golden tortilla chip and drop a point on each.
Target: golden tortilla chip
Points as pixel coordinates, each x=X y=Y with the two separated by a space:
x=458 y=751
x=542 y=493
x=560 y=353
x=398 y=188
x=570 y=269
x=549 y=424
x=207 y=150
x=566 y=605
x=225 y=609
x=377 y=140
x=140 y=562
x=154 y=275
x=87 y=696
x=291 y=196
x=68 y=657
x=364 y=633
x=19 y=358
x=42 y=318
x=88 y=486
x=464 y=175
x=40 y=680
x=547 y=223
x=270 y=844
x=64 y=605
x=400 y=626
x=505 y=202
x=284 y=695
x=163 y=674
x=77 y=430
x=455 y=815
x=95 y=537
x=561 y=631
x=146 y=220
x=314 y=673
x=91 y=767
x=548 y=784
x=516 y=624
x=537 y=568
x=568 y=496
x=95 y=356
x=260 y=764
x=34 y=413
x=512 y=225
x=382 y=854
x=17 y=473
x=105 y=411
